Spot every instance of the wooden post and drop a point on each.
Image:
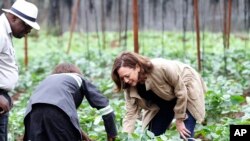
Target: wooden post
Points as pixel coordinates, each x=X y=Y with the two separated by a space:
x=135 y=25
x=26 y=59
x=73 y=22
x=197 y=27
x=103 y=14
x=229 y=22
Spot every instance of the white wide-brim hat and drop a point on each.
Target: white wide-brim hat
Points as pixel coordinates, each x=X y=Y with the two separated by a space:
x=26 y=11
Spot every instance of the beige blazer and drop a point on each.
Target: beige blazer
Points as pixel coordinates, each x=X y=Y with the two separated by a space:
x=169 y=80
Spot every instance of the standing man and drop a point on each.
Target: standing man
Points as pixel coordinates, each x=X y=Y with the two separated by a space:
x=17 y=21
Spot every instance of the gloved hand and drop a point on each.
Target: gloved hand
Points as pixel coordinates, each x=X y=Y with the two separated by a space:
x=4 y=105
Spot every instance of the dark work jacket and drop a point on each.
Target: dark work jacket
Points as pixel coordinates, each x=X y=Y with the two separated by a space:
x=66 y=91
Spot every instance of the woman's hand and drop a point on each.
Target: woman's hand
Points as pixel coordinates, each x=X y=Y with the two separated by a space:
x=184 y=132
x=111 y=138
x=85 y=137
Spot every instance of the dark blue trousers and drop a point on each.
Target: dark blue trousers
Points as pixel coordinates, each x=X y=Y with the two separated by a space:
x=4 y=118
x=4 y=127
x=162 y=120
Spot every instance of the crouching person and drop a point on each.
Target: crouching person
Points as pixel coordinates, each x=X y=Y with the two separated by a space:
x=51 y=114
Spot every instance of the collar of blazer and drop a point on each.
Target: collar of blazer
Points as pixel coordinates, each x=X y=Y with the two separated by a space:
x=148 y=83
x=133 y=91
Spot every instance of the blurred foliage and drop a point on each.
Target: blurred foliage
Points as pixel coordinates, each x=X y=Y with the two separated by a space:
x=226 y=73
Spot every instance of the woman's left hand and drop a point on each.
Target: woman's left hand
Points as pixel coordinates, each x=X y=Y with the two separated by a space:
x=85 y=137
x=184 y=132
x=111 y=138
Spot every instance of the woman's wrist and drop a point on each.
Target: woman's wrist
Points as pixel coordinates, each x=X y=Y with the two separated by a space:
x=180 y=119
x=111 y=138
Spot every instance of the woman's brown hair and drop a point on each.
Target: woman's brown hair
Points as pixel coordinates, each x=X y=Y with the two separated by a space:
x=66 y=68
x=130 y=59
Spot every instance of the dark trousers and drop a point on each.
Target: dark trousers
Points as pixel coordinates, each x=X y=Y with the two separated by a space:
x=162 y=120
x=4 y=119
x=4 y=127
x=49 y=123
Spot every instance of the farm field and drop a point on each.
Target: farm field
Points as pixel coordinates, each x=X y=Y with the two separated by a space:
x=225 y=71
